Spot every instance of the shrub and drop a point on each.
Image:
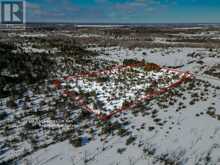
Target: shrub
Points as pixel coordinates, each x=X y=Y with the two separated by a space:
x=151 y=128
x=122 y=132
x=211 y=113
x=151 y=66
x=3 y=115
x=130 y=140
x=11 y=103
x=192 y=102
x=132 y=61
x=121 y=150
x=102 y=79
x=77 y=142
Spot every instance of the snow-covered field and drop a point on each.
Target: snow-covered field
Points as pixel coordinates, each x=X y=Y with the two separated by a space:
x=163 y=57
x=188 y=136
x=177 y=128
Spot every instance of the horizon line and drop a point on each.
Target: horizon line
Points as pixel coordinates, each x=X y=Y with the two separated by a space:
x=57 y=22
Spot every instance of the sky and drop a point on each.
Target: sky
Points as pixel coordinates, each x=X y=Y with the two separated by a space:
x=124 y=11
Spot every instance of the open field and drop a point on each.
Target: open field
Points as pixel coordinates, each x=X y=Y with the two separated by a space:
x=40 y=125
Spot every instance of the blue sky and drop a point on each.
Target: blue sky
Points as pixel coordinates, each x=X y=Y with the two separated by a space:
x=124 y=11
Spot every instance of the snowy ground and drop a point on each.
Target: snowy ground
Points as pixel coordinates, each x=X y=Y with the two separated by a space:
x=122 y=85
x=183 y=129
x=163 y=57
x=189 y=136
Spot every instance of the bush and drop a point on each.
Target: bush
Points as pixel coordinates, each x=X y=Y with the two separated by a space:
x=3 y=115
x=132 y=61
x=121 y=150
x=130 y=140
x=30 y=126
x=77 y=142
x=151 y=128
x=122 y=132
x=211 y=113
x=102 y=79
x=11 y=104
